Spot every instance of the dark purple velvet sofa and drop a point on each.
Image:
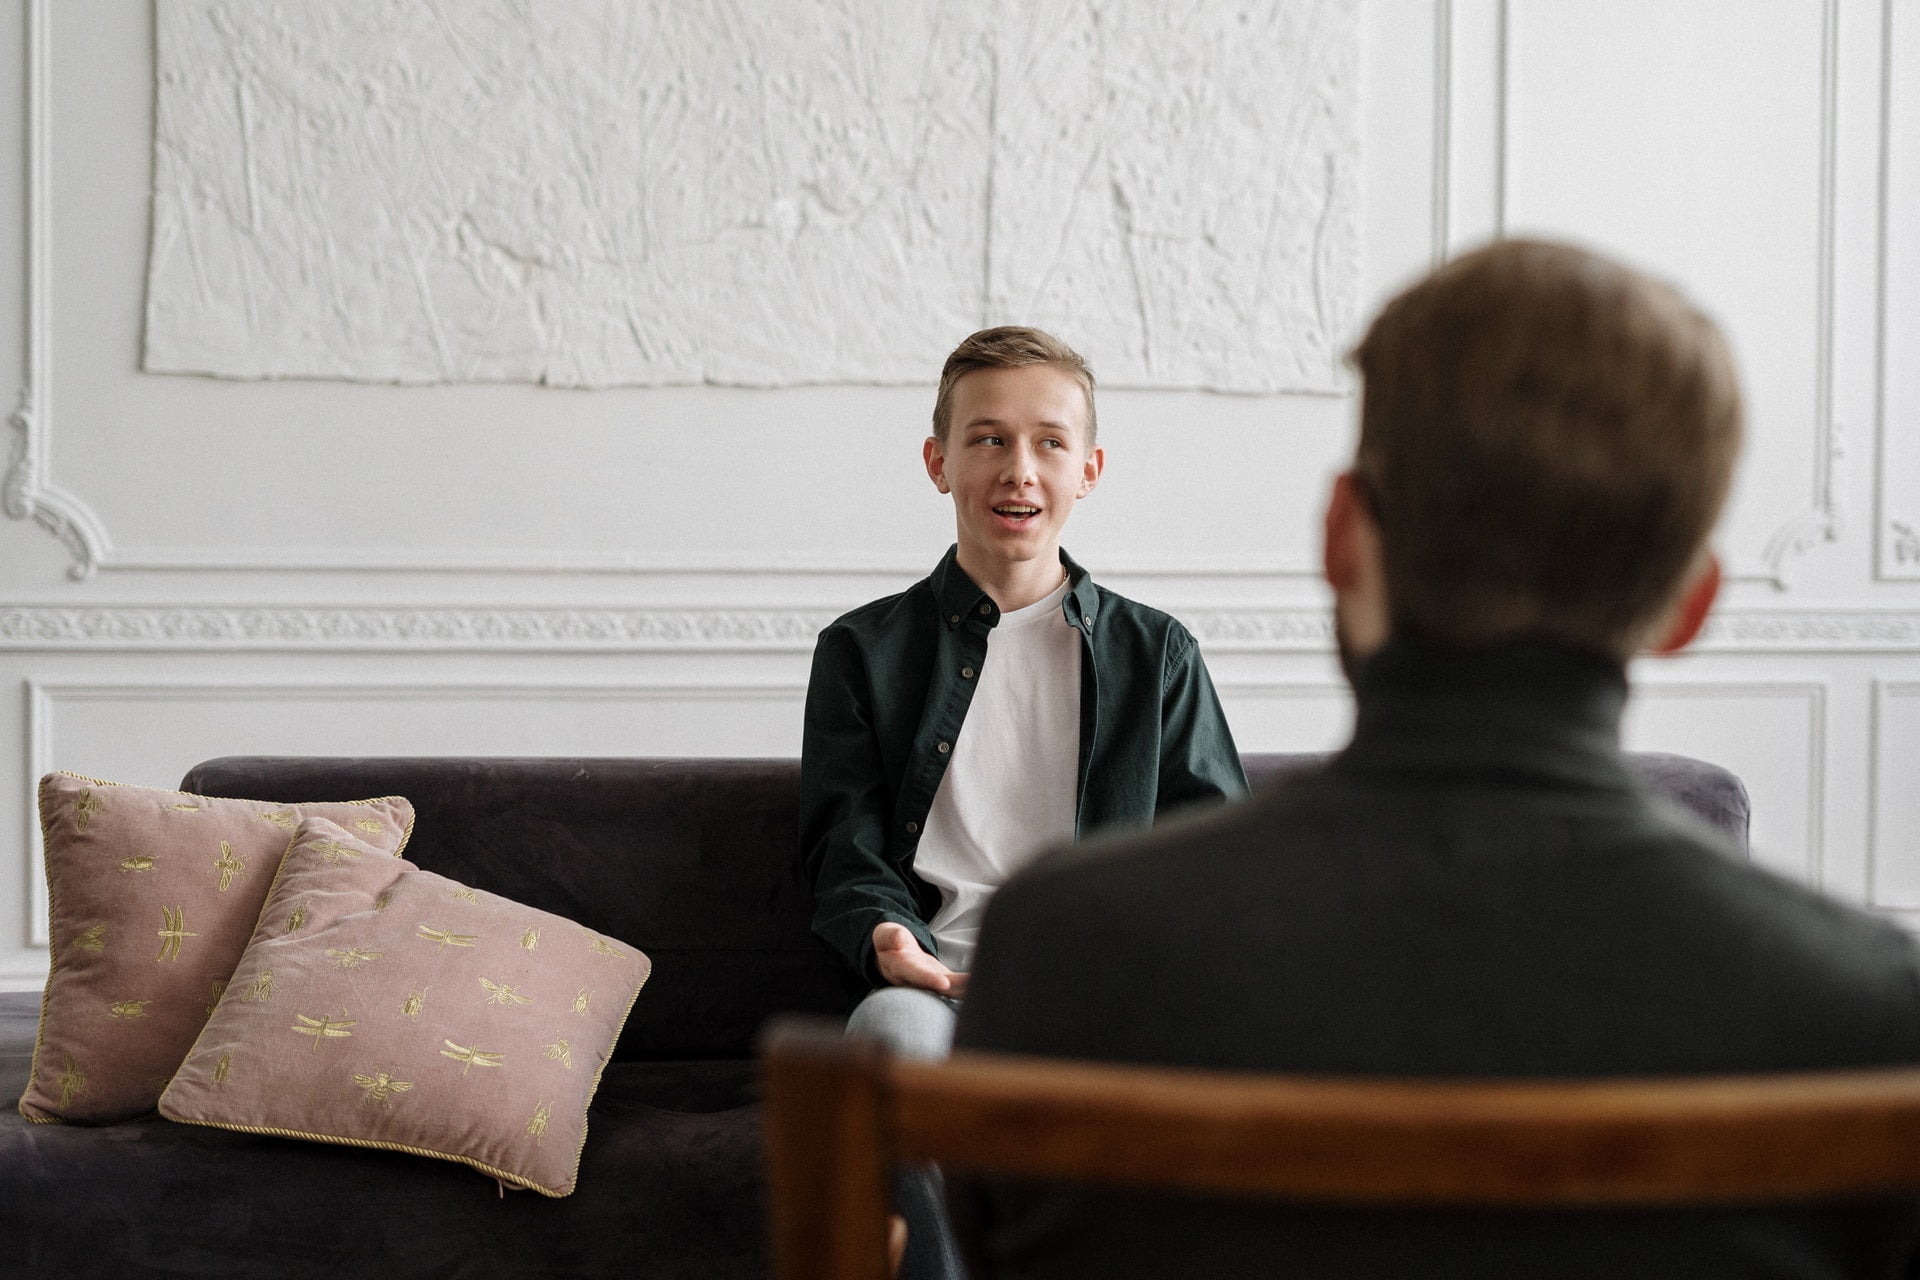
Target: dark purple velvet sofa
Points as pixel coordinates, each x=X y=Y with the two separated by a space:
x=693 y=861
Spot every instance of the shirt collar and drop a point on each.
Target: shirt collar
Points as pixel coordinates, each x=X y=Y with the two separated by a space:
x=960 y=597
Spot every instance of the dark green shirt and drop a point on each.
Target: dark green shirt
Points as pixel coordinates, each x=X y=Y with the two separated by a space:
x=890 y=689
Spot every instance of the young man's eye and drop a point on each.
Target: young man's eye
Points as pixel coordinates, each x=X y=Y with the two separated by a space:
x=987 y=440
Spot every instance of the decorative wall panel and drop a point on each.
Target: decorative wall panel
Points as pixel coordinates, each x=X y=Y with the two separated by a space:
x=587 y=194
x=1893 y=852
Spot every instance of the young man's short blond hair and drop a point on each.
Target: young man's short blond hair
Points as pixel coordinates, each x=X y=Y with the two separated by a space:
x=1008 y=346
x=1546 y=440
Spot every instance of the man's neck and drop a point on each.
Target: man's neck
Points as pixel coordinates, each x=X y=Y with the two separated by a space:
x=1016 y=584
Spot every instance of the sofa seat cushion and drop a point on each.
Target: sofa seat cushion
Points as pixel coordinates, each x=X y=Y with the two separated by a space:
x=672 y=1158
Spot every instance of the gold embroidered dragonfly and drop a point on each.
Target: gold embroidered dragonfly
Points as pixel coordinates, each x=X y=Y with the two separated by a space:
x=562 y=1052
x=86 y=806
x=370 y=826
x=173 y=931
x=471 y=1055
x=384 y=901
x=464 y=894
x=600 y=946
x=139 y=862
x=184 y=808
x=331 y=851
x=530 y=939
x=325 y=1028
x=380 y=1087
x=353 y=957
x=222 y=1067
x=416 y=1001
x=430 y=934
x=128 y=1008
x=219 y=989
x=72 y=1081
x=284 y=821
x=94 y=939
x=228 y=866
x=538 y=1125
x=505 y=996
x=262 y=986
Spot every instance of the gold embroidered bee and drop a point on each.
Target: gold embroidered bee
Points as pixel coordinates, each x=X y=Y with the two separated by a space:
x=228 y=866
x=384 y=901
x=139 y=862
x=221 y=1068
x=85 y=808
x=128 y=1008
x=380 y=1087
x=173 y=932
x=325 y=1028
x=580 y=1001
x=261 y=987
x=562 y=1052
x=285 y=821
x=331 y=851
x=465 y=894
x=445 y=939
x=530 y=939
x=353 y=957
x=471 y=1055
x=94 y=939
x=371 y=826
x=219 y=989
x=72 y=1081
x=538 y=1125
x=416 y=1001
x=298 y=919
x=504 y=995
x=600 y=946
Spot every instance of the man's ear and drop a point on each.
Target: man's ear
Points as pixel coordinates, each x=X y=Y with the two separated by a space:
x=1344 y=547
x=936 y=459
x=1690 y=608
x=1096 y=463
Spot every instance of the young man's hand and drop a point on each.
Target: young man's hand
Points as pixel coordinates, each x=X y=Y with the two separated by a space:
x=903 y=962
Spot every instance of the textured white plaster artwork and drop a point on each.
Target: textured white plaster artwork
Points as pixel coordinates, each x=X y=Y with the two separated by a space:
x=642 y=192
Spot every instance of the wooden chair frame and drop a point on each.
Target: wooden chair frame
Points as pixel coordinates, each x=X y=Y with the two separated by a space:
x=840 y=1114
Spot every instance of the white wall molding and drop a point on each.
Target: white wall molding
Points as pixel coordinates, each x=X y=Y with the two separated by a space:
x=137 y=628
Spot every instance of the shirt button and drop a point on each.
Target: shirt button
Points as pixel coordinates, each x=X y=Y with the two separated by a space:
x=945 y=747
x=966 y=673
x=1086 y=619
x=954 y=617
x=986 y=609
x=912 y=827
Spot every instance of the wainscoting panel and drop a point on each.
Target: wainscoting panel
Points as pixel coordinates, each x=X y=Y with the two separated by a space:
x=1894 y=844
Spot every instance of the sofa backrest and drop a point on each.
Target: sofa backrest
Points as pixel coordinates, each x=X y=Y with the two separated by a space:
x=694 y=861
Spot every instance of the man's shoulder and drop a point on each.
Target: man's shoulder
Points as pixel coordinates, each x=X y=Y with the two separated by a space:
x=888 y=615
x=1125 y=616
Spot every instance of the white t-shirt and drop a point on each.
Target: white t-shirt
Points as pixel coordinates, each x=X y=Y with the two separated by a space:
x=1010 y=789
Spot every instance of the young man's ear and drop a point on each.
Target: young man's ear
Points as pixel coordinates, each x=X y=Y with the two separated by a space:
x=1096 y=463
x=1353 y=561
x=1689 y=611
x=936 y=460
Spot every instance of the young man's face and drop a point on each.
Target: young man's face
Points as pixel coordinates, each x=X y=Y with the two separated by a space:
x=1015 y=461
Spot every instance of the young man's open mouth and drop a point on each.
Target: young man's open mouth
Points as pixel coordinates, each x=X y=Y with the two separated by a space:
x=1018 y=514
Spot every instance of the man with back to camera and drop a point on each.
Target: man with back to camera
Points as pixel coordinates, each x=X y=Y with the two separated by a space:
x=1002 y=704
x=1477 y=885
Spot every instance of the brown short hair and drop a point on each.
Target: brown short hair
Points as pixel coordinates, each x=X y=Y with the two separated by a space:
x=1008 y=346
x=1546 y=438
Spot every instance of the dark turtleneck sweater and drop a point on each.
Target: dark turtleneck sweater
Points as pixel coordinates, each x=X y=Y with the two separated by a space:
x=1478 y=885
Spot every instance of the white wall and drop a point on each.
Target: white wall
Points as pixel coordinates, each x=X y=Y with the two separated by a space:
x=197 y=567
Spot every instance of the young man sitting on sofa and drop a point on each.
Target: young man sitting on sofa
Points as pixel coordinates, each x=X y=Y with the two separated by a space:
x=1476 y=885
x=1002 y=704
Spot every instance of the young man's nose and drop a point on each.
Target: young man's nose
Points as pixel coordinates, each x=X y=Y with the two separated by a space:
x=1020 y=466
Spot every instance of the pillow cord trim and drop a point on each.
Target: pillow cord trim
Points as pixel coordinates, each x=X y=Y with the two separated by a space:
x=53 y=951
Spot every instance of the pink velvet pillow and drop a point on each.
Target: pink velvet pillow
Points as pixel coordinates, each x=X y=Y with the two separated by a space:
x=152 y=897
x=380 y=1005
